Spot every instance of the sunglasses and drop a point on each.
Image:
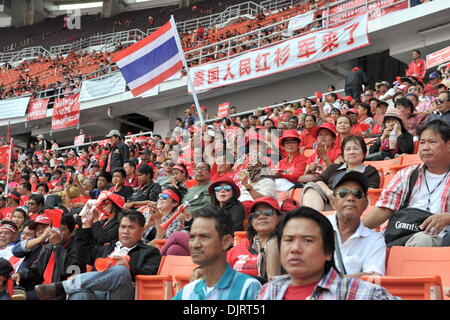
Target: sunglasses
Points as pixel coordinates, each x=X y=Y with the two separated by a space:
x=163 y=196
x=225 y=187
x=266 y=213
x=342 y=193
x=286 y=141
x=439 y=101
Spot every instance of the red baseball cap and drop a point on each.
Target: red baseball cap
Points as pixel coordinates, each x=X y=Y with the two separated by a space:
x=266 y=200
x=114 y=197
x=226 y=180
x=40 y=219
x=348 y=98
x=327 y=125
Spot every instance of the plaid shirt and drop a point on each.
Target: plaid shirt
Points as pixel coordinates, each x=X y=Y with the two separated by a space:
x=331 y=287
x=394 y=195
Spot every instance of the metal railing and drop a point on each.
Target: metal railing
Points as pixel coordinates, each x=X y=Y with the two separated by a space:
x=249 y=112
x=99 y=40
x=277 y=4
x=97 y=141
x=273 y=33
x=26 y=53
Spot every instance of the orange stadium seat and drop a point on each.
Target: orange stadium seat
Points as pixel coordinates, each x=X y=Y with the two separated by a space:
x=160 y=286
x=427 y=265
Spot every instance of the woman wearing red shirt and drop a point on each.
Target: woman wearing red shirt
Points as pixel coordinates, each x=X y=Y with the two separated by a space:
x=293 y=165
x=325 y=154
x=306 y=139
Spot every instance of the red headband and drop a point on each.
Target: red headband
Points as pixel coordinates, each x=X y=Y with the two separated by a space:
x=172 y=194
x=8 y=227
x=13 y=196
x=177 y=166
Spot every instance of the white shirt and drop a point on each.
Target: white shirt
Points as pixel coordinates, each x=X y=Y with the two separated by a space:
x=120 y=250
x=327 y=107
x=390 y=92
x=364 y=251
x=265 y=186
x=419 y=197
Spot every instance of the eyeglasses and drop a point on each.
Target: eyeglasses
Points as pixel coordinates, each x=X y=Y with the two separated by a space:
x=290 y=141
x=32 y=203
x=413 y=89
x=439 y=101
x=201 y=169
x=342 y=193
x=225 y=187
x=163 y=196
x=266 y=213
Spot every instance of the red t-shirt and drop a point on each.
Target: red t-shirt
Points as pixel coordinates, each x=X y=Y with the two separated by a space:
x=6 y=213
x=333 y=154
x=242 y=260
x=132 y=183
x=294 y=169
x=299 y=292
x=306 y=139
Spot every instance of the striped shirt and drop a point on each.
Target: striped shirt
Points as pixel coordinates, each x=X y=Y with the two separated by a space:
x=233 y=285
x=330 y=287
x=394 y=195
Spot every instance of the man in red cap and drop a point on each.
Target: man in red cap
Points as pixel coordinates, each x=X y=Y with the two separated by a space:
x=12 y=202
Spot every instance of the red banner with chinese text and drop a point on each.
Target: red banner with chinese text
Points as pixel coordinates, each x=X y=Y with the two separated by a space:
x=66 y=112
x=283 y=56
x=223 y=110
x=79 y=139
x=436 y=58
x=37 y=109
x=354 y=8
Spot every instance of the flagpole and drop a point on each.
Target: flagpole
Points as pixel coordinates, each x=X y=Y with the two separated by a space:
x=183 y=58
x=9 y=167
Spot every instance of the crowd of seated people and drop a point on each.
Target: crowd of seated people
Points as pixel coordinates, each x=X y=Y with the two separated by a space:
x=126 y=198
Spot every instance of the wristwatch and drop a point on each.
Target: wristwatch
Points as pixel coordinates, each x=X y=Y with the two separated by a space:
x=249 y=188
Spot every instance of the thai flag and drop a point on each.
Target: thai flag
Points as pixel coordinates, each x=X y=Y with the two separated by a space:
x=152 y=60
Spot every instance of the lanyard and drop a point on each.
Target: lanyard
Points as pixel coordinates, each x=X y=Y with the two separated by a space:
x=428 y=189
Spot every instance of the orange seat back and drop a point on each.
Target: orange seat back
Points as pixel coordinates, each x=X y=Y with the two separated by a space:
x=410 y=288
x=420 y=261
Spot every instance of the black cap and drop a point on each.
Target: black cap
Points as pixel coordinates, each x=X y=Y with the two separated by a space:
x=5 y=268
x=351 y=175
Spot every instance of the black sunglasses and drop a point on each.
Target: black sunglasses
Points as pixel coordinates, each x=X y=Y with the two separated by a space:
x=342 y=193
x=267 y=213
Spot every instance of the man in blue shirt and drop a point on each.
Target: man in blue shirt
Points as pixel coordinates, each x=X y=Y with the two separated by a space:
x=209 y=239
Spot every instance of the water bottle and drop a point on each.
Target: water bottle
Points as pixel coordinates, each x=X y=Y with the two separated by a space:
x=393 y=138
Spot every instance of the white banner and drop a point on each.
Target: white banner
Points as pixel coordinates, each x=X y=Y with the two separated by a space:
x=95 y=89
x=301 y=21
x=286 y=55
x=13 y=108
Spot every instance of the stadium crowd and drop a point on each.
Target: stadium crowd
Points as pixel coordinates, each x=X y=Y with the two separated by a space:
x=189 y=193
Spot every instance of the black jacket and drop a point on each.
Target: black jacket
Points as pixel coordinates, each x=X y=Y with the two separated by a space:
x=120 y=153
x=150 y=191
x=370 y=172
x=64 y=258
x=355 y=80
x=237 y=212
x=404 y=141
x=105 y=234
x=144 y=259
